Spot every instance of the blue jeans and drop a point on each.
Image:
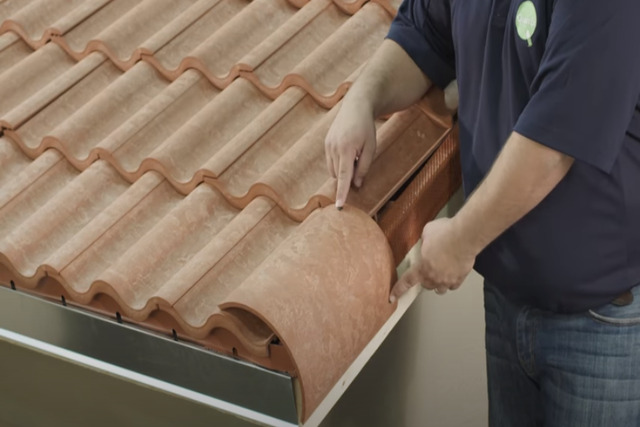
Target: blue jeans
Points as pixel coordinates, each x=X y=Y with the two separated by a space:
x=559 y=370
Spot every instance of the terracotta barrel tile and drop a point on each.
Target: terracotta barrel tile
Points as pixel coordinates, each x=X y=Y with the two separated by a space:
x=131 y=144
x=301 y=171
x=31 y=134
x=231 y=335
x=350 y=6
x=148 y=264
x=56 y=221
x=128 y=33
x=347 y=6
x=220 y=53
x=168 y=58
x=12 y=161
x=344 y=51
x=321 y=297
x=84 y=130
x=114 y=231
x=21 y=196
x=235 y=266
x=244 y=160
x=209 y=130
x=49 y=93
x=182 y=22
x=219 y=165
x=12 y=50
x=10 y=7
x=35 y=21
x=293 y=40
x=121 y=40
x=298 y=44
x=31 y=187
x=251 y=328
x=75 y=41
x=197 y=273
x=78 y=14
x=294 y=178
x=30 y=75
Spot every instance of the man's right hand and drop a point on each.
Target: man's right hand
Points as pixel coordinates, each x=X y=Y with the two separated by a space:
x=350 y=146
x=390 y=81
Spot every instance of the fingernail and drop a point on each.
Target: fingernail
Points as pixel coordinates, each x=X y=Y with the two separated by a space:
x=392 y=299
x=339 y=204
x=357 y=182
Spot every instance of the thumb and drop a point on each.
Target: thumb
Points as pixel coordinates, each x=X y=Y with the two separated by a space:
x=406 y=282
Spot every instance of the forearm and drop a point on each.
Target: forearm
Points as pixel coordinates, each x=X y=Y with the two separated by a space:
x=390 y=81
x=524 y=173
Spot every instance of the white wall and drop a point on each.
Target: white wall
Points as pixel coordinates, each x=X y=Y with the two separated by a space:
x=430 y=372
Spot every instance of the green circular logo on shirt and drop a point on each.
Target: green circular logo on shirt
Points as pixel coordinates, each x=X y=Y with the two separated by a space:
x=526 y=21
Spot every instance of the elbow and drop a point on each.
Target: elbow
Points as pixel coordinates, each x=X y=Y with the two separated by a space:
x=559 y=162
x=551 y=162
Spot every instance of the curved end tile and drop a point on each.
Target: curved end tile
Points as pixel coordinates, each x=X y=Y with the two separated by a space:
x=324 y=292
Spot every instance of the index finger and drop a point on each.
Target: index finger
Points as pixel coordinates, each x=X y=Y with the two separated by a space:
x=345 y=174
x=408 y=280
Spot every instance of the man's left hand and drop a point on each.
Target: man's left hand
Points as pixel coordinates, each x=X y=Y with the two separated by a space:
x=445 y=260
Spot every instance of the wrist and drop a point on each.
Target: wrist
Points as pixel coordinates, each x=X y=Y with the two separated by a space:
x=360 y=99
x=467 y=237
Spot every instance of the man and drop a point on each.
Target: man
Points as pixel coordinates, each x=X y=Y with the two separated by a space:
x=550 y=148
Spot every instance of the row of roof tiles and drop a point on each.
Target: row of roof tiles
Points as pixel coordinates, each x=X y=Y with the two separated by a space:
x=164 y=160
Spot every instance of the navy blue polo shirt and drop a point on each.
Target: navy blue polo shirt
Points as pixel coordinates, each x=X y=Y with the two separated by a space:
x=564 y=73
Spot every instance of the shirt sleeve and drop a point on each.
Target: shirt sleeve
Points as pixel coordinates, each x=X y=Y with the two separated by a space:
x=423 y=29
x=588 y=84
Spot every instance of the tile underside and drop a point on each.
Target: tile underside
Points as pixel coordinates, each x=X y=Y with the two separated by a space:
x=164 y=160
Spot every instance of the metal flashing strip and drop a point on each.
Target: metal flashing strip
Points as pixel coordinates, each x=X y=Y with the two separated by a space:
x=232 y=386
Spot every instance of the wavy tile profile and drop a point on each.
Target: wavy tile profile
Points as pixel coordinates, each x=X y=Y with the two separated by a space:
x=164 y=160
